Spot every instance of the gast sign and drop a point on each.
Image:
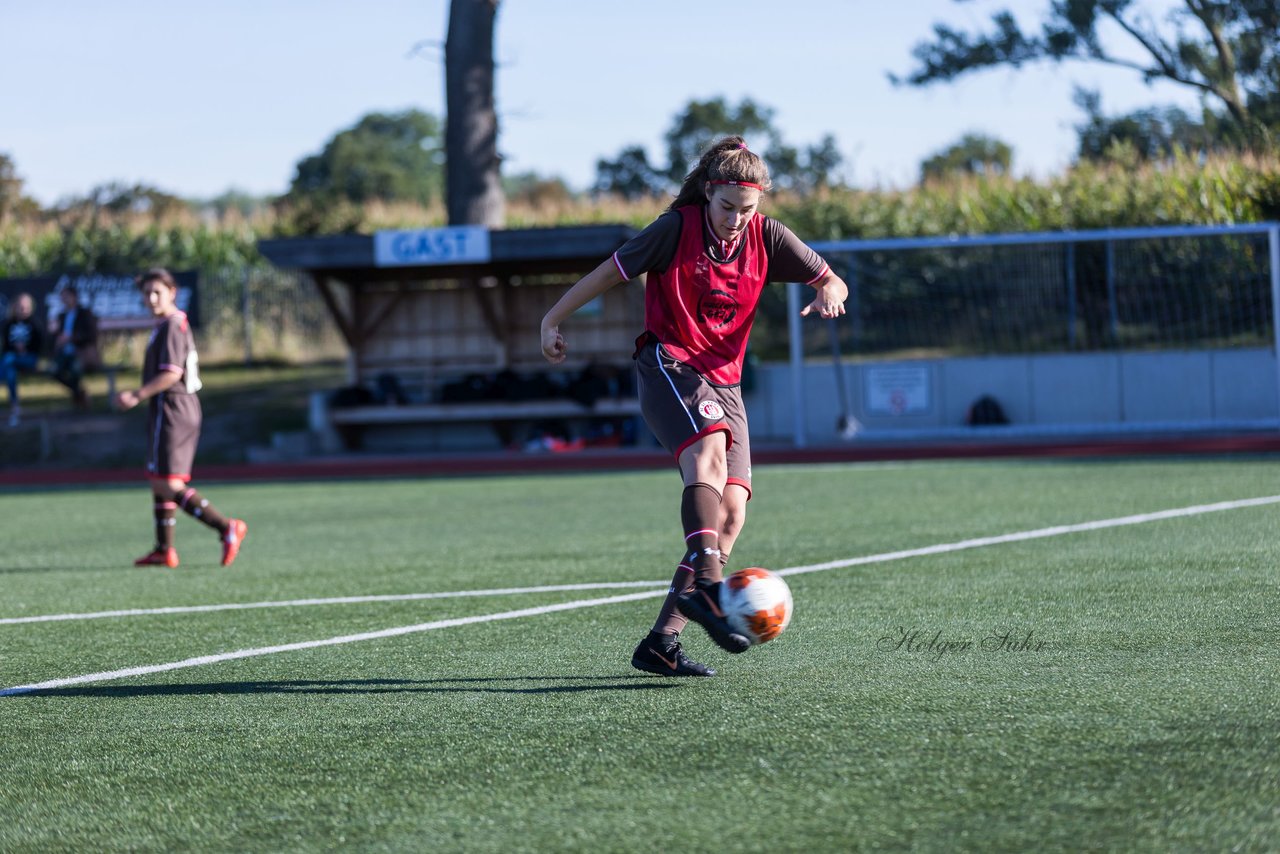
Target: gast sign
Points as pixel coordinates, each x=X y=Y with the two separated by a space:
x=461 y=244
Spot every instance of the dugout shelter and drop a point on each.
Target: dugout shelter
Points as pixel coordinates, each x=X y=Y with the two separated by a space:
x=441 y=325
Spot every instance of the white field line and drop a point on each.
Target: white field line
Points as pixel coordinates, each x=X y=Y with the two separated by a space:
x=337 y=600
x=1057 y=530
x=201 y=660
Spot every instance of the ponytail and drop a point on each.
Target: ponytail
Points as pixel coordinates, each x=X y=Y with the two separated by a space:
x=727 y=161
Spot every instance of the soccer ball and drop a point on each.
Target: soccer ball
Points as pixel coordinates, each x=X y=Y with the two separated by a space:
x=757 y=603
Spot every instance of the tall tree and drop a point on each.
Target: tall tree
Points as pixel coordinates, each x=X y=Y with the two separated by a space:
x=630 y=175
x=384 y=156
x=698 y=125
x=1227 y=50
x=1152 y=133
x=472 y=171
x=973 y=154
x=703 y=122
x=10 y=188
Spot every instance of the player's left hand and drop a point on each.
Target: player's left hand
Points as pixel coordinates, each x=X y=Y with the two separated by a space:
x=127 y=399
x=824 y=306
x=553 y=347
x=829 y=302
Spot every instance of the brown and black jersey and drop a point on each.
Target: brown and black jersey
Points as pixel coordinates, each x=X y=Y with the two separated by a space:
x=171 y=349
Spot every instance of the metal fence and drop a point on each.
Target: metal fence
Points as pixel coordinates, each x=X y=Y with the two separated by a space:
x=252 y=314
x=1128 y=289
x=255 y=314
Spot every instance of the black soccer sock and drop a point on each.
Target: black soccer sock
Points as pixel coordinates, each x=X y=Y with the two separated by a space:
x=700 y=516
x=165 y=513
x=200 y=509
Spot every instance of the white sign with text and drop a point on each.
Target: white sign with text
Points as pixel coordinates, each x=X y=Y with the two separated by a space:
x=897 y=389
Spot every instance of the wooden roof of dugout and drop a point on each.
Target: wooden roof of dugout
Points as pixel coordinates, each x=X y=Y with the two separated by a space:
x=562 y=254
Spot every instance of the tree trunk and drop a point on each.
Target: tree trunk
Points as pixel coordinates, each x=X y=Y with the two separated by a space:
x=473 y=188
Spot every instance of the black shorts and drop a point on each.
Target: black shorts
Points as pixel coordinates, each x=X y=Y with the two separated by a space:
x=681 y=406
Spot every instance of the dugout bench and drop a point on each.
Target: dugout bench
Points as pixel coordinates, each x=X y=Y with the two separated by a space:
x=421 y=310
x=525 y=425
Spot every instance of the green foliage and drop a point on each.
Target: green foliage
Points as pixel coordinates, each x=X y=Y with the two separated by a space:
x=1153 y=133
x=1122 y=191
x=632 y=176
x=1089 y=196
x=12 y=203
x=1225 y=51
x=232 y=203
x=703 y=122
x=973 y=154
x=383 y=157
x=120 y=248
x=533 y=189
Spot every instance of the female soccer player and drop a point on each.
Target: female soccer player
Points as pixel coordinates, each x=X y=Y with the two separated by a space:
x=708 y=257
x=170 y=380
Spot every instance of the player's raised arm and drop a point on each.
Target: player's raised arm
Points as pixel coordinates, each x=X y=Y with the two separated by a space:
x=586 y=289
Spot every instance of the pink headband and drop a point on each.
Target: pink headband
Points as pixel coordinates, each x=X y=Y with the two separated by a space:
x=739 y=184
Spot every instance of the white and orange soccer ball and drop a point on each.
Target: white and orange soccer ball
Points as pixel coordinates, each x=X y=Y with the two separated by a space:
x=757 y=603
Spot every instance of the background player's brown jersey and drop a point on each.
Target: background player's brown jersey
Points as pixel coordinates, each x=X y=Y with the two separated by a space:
x=174 y=415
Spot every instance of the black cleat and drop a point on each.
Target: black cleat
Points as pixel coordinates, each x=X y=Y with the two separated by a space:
x=702 y=605
x=663 y=656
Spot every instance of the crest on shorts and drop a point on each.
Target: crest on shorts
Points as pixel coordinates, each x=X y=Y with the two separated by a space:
x=710 y=410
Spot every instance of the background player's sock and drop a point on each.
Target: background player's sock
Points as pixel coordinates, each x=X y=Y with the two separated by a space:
x=199 y=508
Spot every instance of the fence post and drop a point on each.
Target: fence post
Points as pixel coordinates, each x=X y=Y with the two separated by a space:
x=1113 y=310
x=797 y=363
x=246 y=312
x=1274 y=241
x=1071 y=295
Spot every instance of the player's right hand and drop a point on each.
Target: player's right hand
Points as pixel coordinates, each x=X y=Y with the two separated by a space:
x=553 y=346
x=126 y=399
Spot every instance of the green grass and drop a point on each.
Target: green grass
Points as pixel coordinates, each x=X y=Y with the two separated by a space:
x=1146 y=721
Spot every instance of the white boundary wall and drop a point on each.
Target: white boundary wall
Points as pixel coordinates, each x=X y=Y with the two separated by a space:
x=1045 y=394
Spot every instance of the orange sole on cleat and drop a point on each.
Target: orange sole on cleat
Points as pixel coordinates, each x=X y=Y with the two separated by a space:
x=159 y=557
x=232 y=540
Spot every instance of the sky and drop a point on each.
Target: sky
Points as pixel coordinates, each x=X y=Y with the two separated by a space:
x=196 y=98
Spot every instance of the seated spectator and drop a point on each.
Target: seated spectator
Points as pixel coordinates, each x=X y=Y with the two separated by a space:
x=21 y=341
x=75 y=347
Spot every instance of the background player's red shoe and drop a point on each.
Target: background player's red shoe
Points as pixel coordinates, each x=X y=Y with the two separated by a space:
x=159 y=557
x=231 y=540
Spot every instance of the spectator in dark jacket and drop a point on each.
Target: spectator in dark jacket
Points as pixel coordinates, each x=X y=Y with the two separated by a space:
x=21 y=341
x=75 y=346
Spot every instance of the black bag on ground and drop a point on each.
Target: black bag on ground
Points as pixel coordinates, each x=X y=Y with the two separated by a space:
x=985 y=411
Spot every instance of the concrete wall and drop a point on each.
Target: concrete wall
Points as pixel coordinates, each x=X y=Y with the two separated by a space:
x=1051 y=393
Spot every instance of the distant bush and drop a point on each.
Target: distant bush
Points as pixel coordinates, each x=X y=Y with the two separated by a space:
x=1120 y=193
x=1117 y=194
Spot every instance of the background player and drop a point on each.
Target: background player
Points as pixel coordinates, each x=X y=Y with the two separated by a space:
x=170 y=380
